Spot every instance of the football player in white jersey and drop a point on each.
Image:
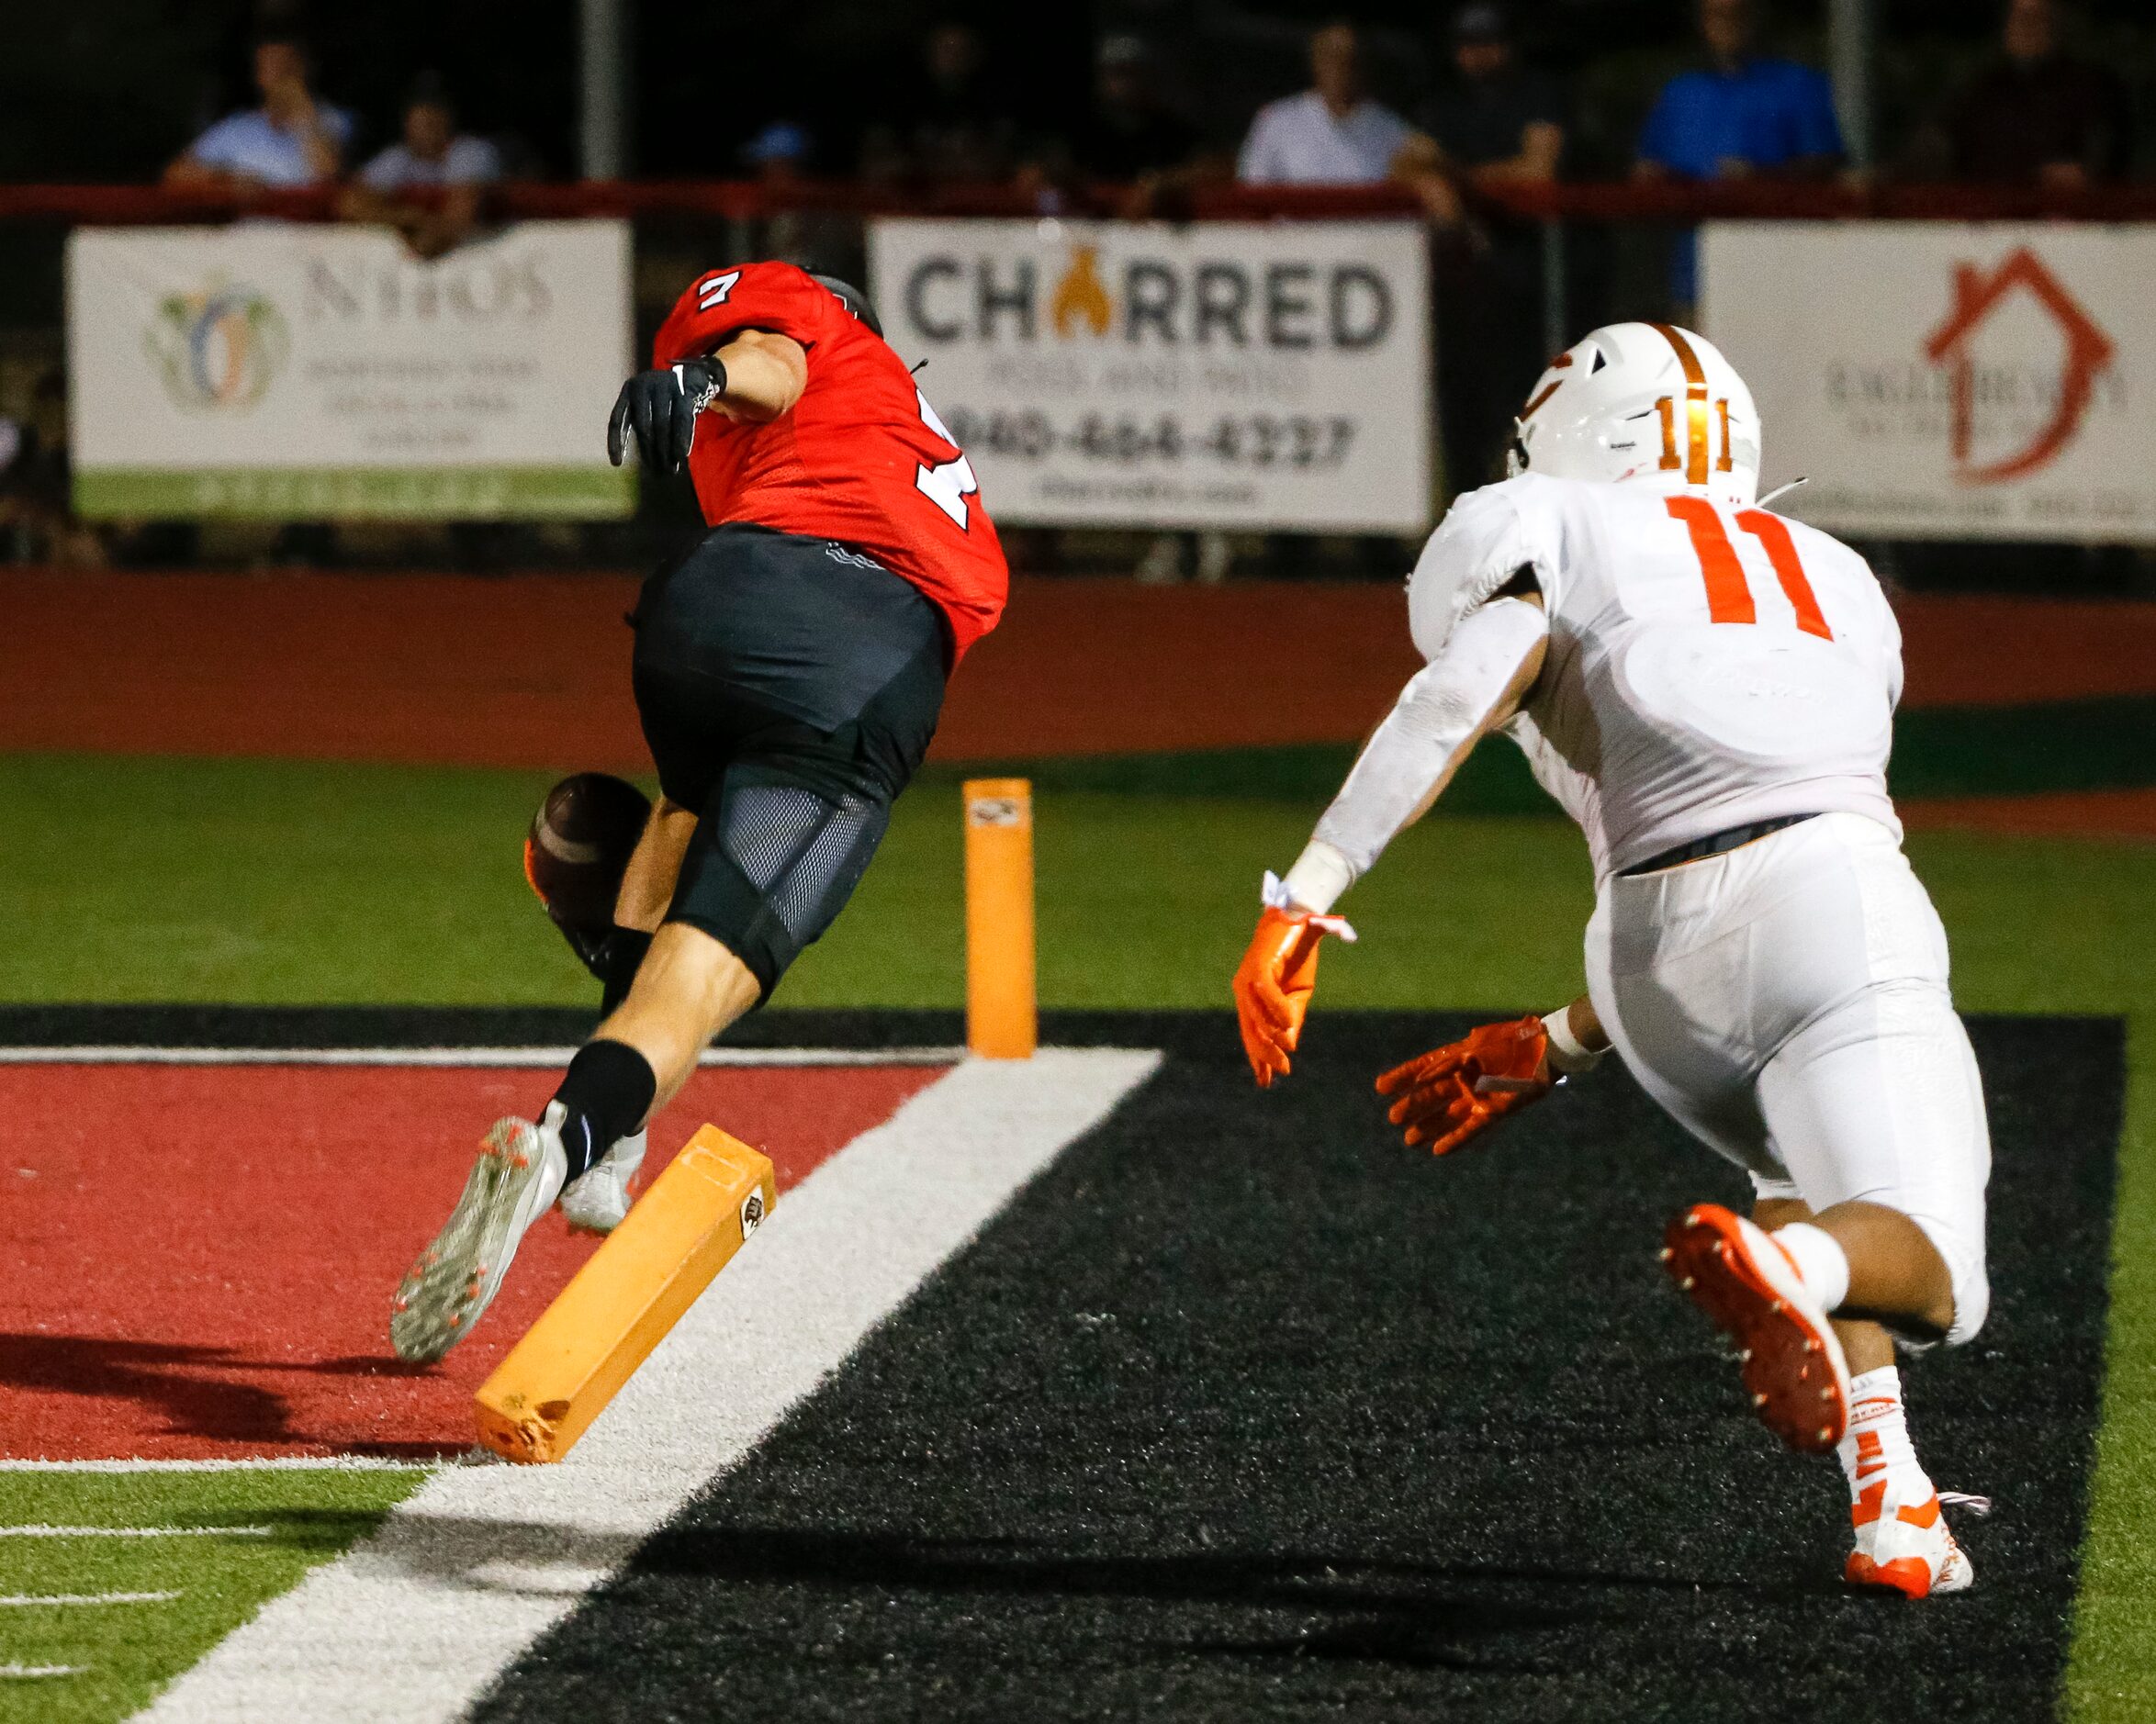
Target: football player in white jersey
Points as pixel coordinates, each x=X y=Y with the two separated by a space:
x=1708 y=688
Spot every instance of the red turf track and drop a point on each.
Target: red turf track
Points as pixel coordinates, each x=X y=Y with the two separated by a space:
x=199 y=1260
x=534 y=672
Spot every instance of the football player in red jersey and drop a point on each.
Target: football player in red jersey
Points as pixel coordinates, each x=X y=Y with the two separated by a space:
x=789 y=672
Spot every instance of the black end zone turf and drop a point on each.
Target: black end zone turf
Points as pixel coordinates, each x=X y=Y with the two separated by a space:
x=1242 y=1411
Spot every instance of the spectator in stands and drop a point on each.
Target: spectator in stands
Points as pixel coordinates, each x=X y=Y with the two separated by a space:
x=1497 y=119
x=432 y=157
x=779 y=154
x=1214 y=61
x=2038 y=115
x=1746 y=114
x=1129 y=134
x=1330 y=135
x=1496 y=122
x=957 y=129
x=293 y=138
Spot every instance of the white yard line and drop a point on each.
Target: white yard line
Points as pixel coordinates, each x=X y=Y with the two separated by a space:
x=516 y=1058
x=31 y=1600
x=21 y=1672
x=136 y=1533
x=248 y=1463
x=411 y=1625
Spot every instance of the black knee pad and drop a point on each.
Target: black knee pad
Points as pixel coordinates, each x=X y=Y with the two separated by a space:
x=773 y=862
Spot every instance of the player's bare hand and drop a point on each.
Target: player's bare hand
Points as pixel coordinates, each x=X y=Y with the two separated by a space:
x=1274 y=984
x=1453 y=1093
x=659 y=410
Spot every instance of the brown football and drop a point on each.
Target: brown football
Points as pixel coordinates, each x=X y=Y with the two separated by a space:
x=580 y=846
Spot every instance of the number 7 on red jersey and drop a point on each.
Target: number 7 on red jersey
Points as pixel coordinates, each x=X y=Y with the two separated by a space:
x=949 y=485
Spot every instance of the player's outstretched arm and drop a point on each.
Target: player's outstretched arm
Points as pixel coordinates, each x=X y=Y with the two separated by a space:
x=755 y=378
x=1486 y=668
x=1454 y=1093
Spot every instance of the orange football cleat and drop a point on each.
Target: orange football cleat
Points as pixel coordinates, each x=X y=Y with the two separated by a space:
x=1906 y=1546
x=1750 y=1290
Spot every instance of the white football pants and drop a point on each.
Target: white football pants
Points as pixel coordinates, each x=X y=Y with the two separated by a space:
x=1787 y=1003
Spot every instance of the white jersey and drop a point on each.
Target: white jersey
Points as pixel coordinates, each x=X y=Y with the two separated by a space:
x=1707 y=666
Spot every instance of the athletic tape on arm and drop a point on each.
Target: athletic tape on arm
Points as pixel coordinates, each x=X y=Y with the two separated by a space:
x=1438 y=712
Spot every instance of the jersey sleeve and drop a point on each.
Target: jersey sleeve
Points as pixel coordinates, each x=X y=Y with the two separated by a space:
x=720 y=303
x=1485 y=539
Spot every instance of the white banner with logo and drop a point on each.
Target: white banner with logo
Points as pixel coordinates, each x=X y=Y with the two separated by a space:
x=1947 y=380
x=1215 y=374
x=302 y=371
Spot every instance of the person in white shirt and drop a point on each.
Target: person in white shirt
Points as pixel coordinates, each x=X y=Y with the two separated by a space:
x=434 y=157
x=1708 y=688
x=293 y=138
x=1332 y=134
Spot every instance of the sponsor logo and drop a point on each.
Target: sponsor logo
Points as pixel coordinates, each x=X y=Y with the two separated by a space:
x=2036 y=411
x=217 y=350
x=752 y=1213
x=1217 y=304
x=995 y=811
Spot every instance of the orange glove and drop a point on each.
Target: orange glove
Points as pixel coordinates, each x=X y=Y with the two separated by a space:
x=1457 y=1092
x=1275 y=980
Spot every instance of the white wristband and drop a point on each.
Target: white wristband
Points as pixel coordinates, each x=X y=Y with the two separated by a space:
x=1319 y=876
x=1567 y=1053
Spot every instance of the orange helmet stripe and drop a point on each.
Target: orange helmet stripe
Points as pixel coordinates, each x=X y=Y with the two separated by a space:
x=1695 y=403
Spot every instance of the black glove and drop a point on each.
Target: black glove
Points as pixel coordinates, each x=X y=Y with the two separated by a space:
x=610 y=954
x=660 y=407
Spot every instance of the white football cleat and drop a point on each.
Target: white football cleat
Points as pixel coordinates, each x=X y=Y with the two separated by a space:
x=597 y=1200
x=1907 y=1546
x=1751 y=1290
x=514 y=1181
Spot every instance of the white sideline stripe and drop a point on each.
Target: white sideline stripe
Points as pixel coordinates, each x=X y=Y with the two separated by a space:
x=412 y=1624
x=136 y=1533
x=517 y=1057
x=240 y=1464
x=18 y=1672
x=26 y=1599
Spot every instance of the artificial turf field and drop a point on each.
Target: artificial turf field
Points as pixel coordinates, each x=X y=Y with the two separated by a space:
x=284 y=884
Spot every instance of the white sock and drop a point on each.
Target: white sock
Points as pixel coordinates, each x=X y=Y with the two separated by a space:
x=1877 y=1446
x=1819 y=1260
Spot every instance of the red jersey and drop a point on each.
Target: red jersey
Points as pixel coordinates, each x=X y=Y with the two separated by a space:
x=862 y=457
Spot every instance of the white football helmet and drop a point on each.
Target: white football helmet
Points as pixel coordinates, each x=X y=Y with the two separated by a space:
x=1647 y=404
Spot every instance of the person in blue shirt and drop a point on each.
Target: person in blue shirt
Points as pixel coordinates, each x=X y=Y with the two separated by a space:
x=293 y=138
x=1746 y=114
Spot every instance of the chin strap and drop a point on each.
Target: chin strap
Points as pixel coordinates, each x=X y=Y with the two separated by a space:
x=1781 y=490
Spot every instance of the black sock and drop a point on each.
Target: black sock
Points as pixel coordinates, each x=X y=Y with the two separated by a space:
x=607 y=1091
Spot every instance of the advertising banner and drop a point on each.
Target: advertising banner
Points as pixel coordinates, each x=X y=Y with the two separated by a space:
x=298 y=371
x=1947 y=380
x=1215 y=374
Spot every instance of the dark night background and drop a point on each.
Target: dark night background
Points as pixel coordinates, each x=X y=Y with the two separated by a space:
x=109 y=89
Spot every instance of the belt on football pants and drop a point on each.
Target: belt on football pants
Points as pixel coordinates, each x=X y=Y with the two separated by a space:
x=1714 y=843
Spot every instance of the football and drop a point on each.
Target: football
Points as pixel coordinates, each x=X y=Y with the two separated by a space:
x=580 y=846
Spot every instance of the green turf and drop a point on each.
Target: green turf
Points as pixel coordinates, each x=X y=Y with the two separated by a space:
x=281 y=883
x=1938 y=751
x=273 y=882
x=127 y=1652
